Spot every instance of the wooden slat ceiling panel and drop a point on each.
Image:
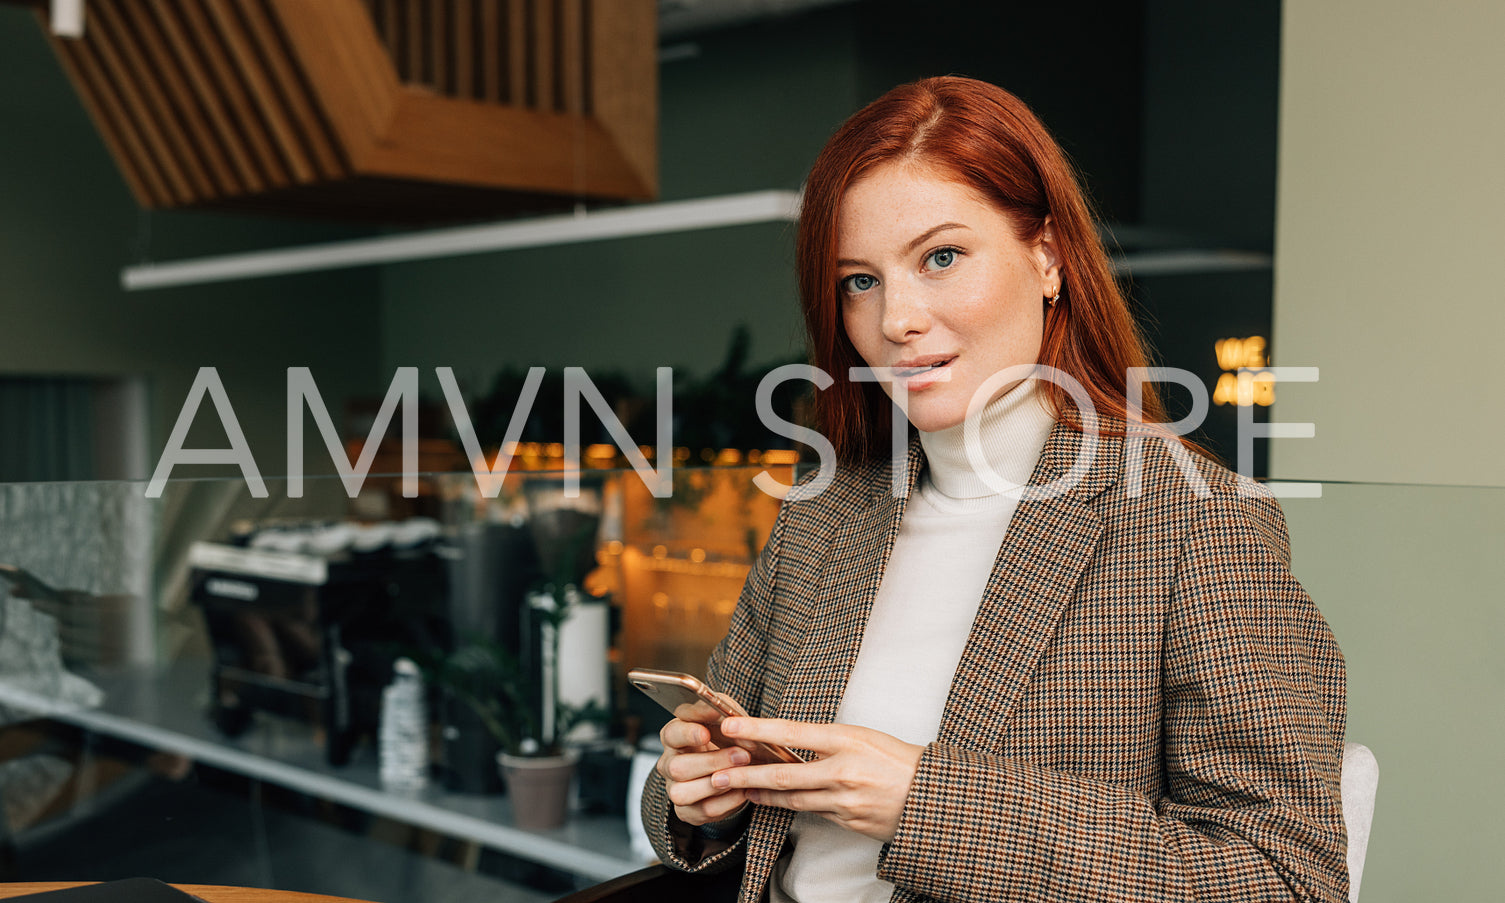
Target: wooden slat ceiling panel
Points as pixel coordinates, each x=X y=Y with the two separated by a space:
x=489 y=24
x=187 y=56
x=388 y=17
x=228 y=84
x=251 y=64
x=244 y=103
x=572 y=56
x=463 y=50
x=438 y=45
x=178 y=83
x=311 y=129
x=517 y=52
x=541 y=14
x=140 y=108
x=121 y=53
x=412 y=40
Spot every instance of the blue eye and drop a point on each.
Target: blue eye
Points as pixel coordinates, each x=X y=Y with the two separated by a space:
x=860 y=282
x=943 y=257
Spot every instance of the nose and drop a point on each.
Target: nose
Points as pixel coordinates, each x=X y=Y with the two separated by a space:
x=904 y=313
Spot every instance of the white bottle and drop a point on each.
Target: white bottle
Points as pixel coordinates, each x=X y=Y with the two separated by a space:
x=403 y=740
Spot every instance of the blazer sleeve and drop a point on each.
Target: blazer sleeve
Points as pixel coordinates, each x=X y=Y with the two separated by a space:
x=1253 y=720
x=735 y=668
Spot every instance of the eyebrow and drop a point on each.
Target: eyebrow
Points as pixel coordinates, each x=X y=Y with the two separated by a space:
x=919 y=240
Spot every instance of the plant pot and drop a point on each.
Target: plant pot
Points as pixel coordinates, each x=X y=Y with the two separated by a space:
x=539 y=787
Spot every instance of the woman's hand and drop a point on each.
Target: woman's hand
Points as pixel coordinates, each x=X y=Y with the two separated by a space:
x=859 y=781
x=691 y=756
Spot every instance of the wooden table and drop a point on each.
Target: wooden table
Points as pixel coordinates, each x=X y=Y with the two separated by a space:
x=209 y=892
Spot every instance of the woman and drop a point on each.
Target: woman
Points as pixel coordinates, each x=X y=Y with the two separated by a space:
x=1129 y=698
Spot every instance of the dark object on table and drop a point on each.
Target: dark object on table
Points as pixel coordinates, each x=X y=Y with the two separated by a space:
x=127 y=890
x=661 y=884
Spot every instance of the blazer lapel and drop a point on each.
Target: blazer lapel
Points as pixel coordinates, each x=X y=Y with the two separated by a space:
x=1048 y=545
x=848 y=585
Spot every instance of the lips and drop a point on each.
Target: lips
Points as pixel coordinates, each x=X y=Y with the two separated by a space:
x=908 y=369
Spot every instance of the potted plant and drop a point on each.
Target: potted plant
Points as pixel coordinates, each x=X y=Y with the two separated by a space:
x=521 y=710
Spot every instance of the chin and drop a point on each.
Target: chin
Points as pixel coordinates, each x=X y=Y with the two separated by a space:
x=932 y=419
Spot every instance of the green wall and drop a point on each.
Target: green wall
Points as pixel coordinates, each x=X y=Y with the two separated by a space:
x=67 y=226
x=1409 y=578
x=1387 y=257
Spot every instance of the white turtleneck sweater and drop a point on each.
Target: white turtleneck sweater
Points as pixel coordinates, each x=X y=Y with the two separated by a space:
x=921 y=619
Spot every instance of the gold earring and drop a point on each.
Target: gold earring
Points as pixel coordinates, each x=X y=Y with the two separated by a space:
x=1054 y=298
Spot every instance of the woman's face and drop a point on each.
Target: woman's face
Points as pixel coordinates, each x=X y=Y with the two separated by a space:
x=934 y=283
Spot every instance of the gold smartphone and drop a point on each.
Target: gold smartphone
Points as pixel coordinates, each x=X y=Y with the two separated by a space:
x=689 y=699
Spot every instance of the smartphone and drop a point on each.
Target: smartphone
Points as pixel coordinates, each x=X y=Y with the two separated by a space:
x=689 y=699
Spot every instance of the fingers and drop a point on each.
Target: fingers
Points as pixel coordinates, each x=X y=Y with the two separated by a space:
x=692 y=766
x=685 y=736
x=690 y=758
x=715 y=808
x=808 y=776
x=699 y=793
x=823 y=739
x=796 y=800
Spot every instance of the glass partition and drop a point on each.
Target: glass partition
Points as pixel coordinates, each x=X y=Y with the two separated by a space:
x=255 y=635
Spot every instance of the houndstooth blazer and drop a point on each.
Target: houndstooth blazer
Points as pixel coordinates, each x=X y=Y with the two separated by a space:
x=1149 y=706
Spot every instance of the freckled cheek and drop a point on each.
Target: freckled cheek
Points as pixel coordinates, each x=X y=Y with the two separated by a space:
x=864 y=332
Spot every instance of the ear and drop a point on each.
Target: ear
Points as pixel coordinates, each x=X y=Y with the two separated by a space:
x=1048 y=254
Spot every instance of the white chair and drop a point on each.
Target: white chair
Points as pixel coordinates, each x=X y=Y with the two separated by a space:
x=1361 y=777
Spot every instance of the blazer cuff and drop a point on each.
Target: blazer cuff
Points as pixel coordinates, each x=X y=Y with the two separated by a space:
x=934 y=843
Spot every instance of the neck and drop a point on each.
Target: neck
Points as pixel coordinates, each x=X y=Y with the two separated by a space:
x=1010 y=433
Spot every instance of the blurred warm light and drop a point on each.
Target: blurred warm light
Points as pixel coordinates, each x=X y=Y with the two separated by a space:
x=601 y=450
x=781 y=456
x=614 y=547
x=697 y=555
x=554 y=450
x=1237 y=384
x=661 y=601
x=752 y=456
x=728 y=457
x=708 y=455
x=726 y=569
x=660 y=551
x=1236 y=353
x=681 y=454
x=1245 y=388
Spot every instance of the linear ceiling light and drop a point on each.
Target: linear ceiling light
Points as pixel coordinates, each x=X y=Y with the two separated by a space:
x=1184 y=261
x=623 y=222
x=645 y=219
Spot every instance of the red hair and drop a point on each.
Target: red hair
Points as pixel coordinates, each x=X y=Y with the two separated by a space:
x=984 y=137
